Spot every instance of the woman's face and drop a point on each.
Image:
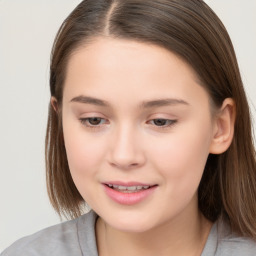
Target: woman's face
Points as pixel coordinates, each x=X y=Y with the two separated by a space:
x=138 y=130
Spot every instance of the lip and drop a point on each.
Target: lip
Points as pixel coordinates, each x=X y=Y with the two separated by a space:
x=127 y=184
x=128 y=198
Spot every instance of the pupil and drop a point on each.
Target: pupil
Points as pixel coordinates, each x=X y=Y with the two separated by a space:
x=159 y=122
x=94 y=120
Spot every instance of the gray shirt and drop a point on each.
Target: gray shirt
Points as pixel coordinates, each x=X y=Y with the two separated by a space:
x=77 y=237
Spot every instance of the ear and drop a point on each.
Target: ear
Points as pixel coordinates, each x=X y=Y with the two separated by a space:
x=223 y=127
x=54 y=104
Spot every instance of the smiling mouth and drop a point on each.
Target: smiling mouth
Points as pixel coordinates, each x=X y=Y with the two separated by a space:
x=129 y=189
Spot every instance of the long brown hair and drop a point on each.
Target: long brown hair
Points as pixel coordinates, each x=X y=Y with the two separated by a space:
x=191 y=30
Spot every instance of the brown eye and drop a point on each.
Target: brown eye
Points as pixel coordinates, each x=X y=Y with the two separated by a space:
x=160 y=122
x=94 y=120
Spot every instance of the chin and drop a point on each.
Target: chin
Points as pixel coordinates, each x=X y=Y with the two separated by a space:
x=130 y=223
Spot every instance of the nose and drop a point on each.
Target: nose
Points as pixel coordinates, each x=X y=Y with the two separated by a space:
x=126 y=151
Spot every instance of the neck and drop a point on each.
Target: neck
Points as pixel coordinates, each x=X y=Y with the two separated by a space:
x=178 y=237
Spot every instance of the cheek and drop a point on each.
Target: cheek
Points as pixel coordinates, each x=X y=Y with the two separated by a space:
x=84 y=152
x=84 y=158
x=181 y=157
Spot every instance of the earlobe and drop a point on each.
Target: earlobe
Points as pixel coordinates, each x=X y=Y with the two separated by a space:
x=223 y=127
x=54 y=104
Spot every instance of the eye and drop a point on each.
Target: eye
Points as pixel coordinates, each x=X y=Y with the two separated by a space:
x=161 y=122
x=93 y=121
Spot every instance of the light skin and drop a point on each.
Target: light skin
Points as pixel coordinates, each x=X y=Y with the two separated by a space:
x=135 y=112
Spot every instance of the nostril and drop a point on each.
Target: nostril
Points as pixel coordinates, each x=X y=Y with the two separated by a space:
x=125 y=155
x=124 y=166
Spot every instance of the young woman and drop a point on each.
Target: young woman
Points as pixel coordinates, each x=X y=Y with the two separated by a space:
x=149 y=126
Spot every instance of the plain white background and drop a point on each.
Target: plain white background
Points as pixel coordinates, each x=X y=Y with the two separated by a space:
x=27 y=30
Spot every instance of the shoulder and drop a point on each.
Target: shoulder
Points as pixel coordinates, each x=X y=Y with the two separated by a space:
x=223 y=242
x=233 y=245
x=62 y=239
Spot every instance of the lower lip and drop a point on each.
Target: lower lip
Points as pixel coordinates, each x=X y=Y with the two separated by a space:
x=128 y=198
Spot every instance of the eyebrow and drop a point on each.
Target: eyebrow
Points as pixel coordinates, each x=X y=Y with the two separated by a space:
x=144 y=104
x=90 y=100
x=163 y=102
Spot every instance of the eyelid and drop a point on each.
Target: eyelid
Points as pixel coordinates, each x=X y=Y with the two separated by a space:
x=85 y=122
x=170 y=123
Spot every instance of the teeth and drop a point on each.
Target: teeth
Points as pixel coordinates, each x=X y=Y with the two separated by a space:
x=127 y=188
x=132 y=188
x=121 y=187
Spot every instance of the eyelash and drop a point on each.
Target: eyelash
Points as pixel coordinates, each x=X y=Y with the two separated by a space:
x=167 y=122
x=86 y=122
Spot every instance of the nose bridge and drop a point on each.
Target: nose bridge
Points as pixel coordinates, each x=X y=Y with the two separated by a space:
x=126 y=150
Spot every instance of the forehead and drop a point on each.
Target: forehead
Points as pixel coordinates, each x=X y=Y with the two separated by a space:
x=108 y=67
x=104 y=53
